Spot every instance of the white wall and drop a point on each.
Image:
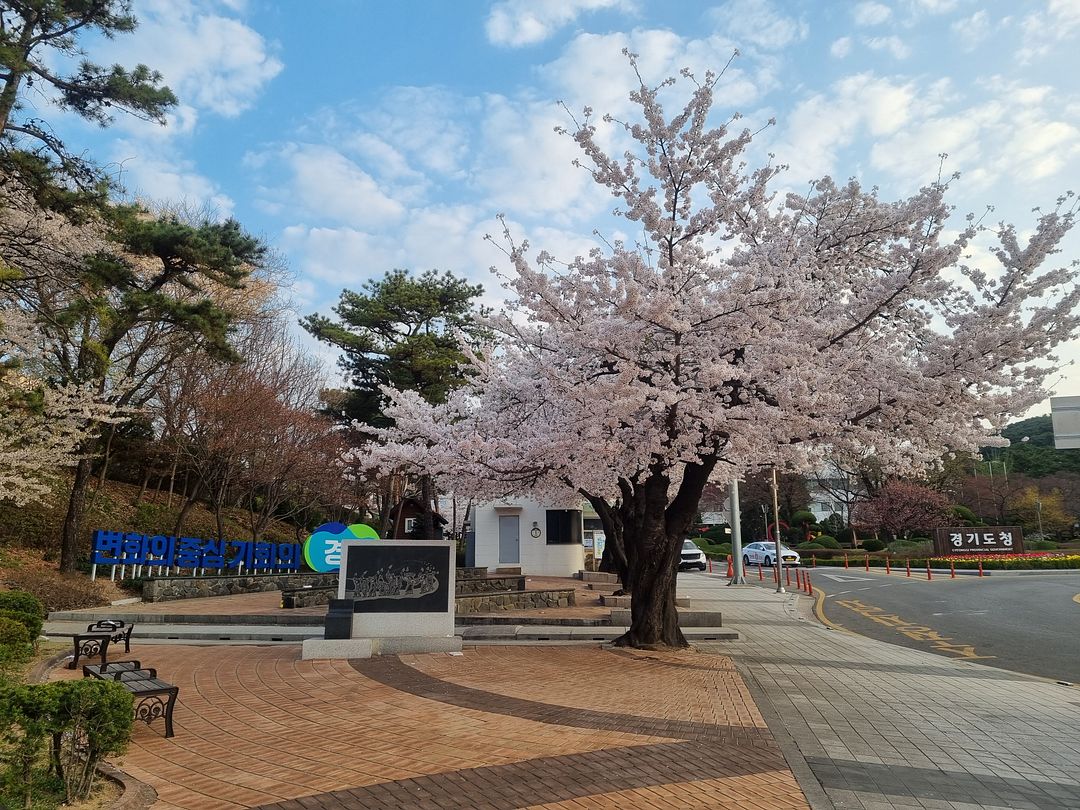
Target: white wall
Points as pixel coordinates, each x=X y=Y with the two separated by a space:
x=536 y=556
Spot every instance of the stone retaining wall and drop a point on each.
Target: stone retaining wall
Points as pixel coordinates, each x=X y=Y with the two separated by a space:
x=514 y=600
x=471 y=572
x=489 y=585
x=164 y=589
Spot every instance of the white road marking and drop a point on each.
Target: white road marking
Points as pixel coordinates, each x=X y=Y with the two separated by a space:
x=845 y=578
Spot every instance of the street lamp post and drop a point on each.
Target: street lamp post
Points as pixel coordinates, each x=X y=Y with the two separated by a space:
x=1038 y=513
x=738 y=574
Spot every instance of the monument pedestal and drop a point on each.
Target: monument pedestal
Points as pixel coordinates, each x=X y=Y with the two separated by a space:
x=394 y=597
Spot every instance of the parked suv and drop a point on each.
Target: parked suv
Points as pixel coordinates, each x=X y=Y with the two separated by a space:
x=692 y=556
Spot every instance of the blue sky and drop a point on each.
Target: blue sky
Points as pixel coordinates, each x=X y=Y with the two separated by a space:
x=358 y=136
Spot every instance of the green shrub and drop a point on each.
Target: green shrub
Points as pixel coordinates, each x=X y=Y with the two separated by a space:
x=873 y=544
x=810 y=546
x=31 y=622
x=21 y=601
x=89 y=719
x=966 y=516
x=13 y=633
x=801 y=517
x=825 y=541
x=1042 y=545
x=846 y=537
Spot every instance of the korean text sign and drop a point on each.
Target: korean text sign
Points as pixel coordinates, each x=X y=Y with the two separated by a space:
x=979 y=540
x=132 y=548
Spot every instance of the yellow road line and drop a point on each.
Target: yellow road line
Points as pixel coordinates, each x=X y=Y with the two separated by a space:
x=819 y=611
x=1077 y=598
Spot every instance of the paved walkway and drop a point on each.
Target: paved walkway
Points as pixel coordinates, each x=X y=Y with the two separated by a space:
x=859 y=723
x=496 y=727
x=881 y=726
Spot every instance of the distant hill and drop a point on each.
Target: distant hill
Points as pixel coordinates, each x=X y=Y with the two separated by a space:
x=1036 y=456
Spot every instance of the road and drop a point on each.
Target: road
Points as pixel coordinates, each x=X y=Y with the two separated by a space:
x=1028 y=623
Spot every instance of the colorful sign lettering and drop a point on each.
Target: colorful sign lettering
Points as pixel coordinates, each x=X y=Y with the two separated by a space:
x=322 y=550
x=166 y=551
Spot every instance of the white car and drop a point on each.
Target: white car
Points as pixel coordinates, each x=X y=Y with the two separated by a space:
x=765 y=553
x=692 y=556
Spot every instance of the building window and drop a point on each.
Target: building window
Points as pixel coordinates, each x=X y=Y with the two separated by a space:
x=563 y=526
x=410 y=525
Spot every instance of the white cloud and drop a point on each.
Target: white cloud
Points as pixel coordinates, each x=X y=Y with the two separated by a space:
x=158 y=175
x=514 y=23
x=840 y=47
x=893 y=44
x=326 y=183
x=972 y=30
x=758 y=23
x=824 y=124
x=1044 y=30
x=212 y=62
x=871 y=13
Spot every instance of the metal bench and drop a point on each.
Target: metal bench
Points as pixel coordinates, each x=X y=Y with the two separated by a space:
x=153 y=697
x=118 y=671
x=120 y=631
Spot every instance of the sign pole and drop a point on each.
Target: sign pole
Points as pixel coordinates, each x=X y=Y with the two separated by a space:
x=778 y=562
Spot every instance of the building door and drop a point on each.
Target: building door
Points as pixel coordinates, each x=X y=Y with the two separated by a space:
x=510 y=539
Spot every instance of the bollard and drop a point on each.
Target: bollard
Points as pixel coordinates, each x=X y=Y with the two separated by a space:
x=845 y=560
x=809 y=586
x=760 y=575
x=980 y=568
x=952 y=569
x=798 y=578
x=928 y=577
x=909 y=566
x=730 y=567
x=710 y=565
x=866 y=562
x=888 y=569
x=787 y=577
x=813 y=561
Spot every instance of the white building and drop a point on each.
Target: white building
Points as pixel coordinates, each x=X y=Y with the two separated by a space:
x=542 y=540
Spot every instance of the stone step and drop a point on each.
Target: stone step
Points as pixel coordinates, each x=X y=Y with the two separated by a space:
x=599 y=576
x=615 y=601
x=603 y=587
x=136 y=617
x=509 y=634
x=620 y=617
x=511 y=570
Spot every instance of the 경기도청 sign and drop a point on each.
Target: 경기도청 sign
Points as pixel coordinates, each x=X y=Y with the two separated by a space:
x=979 y=540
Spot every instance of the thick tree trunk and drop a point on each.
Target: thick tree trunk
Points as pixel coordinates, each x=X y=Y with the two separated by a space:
x=654 y=525
x=69 y=534
x=614 y=560
x=654 y=622
x=427 y=495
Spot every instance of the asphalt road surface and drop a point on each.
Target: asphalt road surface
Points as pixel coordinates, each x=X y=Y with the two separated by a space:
x=1026 y=623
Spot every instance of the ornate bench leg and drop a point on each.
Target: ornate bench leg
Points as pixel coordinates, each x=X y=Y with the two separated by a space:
x=151 y=707
x=169 y=710
x=90 y=647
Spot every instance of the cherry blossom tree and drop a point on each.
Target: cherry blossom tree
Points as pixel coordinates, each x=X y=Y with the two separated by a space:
x=42 y=426
x=636 y=374
x=902 y=507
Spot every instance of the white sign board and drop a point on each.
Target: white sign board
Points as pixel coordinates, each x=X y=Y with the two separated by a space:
x=1065 y=412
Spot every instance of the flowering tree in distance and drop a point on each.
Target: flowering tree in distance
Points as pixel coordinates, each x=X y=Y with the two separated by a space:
x=636 y=374
x=902 y=507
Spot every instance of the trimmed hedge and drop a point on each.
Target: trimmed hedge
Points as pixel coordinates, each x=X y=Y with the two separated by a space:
x=825 y=541
x=13 y=633
x=21 y=601
x=32 y=622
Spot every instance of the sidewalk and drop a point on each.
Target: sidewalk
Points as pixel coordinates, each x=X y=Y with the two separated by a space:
x=880 y=726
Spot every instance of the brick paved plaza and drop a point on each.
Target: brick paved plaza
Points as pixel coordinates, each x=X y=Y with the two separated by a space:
x=792 y=715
